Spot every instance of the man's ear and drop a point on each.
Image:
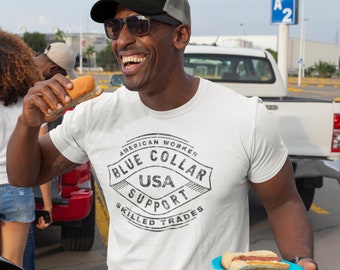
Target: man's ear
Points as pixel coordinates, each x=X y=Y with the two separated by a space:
x=182 y=36
x=53 y=69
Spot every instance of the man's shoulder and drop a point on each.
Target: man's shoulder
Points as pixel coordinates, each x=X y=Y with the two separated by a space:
x=227 y=94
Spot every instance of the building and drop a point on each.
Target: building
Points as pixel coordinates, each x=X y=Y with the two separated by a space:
x=98 y=41
x=312 y=51
x=83 y=42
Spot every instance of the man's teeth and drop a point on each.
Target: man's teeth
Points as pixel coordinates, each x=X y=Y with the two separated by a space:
x=132 y=59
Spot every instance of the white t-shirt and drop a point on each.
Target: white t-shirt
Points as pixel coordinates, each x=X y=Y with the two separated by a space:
x=175 y=182
x=8 y=119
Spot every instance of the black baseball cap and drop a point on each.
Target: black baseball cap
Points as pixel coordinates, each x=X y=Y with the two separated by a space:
x=178 y=9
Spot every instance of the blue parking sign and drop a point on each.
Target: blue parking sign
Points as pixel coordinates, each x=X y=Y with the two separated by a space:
x=284 y=11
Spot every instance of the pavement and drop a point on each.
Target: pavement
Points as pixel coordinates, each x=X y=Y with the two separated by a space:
x=319 y=82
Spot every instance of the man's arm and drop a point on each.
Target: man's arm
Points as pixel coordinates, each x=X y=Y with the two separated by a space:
x=287 y=216
x=32 y=160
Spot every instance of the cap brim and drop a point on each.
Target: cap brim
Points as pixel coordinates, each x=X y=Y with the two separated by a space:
x=72 y=74
x=103 y=10
x=106 y=9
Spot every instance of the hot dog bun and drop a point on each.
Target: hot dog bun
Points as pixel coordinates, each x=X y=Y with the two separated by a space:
x=84 y=88
x=252 y=260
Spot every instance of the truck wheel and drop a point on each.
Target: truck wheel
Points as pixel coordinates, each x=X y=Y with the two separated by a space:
x=306 y=189
x=80 y=236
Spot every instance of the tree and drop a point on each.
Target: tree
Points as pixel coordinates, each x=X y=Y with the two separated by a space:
x=106 y=58
x=59 y=36
x=36 y=41
x=323 y=69
x=273 y=53
x=88 y=56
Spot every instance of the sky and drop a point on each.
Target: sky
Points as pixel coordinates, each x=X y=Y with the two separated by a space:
x=214 y=17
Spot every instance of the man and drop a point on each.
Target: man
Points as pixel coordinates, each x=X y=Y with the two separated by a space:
x=58 y=58
x=174 y=154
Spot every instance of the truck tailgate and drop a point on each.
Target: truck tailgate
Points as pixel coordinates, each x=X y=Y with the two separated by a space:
x=311 y=119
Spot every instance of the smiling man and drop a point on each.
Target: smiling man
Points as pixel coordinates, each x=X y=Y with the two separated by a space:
x=174 y=154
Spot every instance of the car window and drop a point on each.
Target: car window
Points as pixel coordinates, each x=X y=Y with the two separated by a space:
x=117 y=80
x=229 y=68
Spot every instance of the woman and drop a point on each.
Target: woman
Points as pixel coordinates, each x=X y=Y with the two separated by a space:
x=18 y=73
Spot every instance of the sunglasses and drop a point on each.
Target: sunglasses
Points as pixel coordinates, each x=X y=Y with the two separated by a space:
x=137 y=25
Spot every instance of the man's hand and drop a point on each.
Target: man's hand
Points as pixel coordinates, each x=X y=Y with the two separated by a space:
x=44 y=97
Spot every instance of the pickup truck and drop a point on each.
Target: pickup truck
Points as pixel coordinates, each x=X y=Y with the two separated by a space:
x=73 y=199
x=309 y=127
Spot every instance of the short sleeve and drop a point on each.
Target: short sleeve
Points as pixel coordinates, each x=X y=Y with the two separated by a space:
x=69 y=137
x=268 y=151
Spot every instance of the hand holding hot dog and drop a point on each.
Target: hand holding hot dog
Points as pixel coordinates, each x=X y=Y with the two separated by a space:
x=47 y=100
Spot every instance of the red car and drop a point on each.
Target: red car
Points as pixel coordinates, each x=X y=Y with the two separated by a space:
x=73 y=198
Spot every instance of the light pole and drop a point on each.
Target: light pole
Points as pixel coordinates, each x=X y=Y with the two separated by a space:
x=23 y=28
x=300 y=61
x=240 y=35
x=81 y=42
x=304 y=49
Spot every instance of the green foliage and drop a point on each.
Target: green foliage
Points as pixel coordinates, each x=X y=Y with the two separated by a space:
x=322 y=69
x=89 y=56
x=36 y=41
x=59 y=36
x=273 y=53
x=106 y=59
x=89 y=51
x=309 y=71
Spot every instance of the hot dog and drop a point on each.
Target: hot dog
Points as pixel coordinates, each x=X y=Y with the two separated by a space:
x=252 y=260
x=84 y=88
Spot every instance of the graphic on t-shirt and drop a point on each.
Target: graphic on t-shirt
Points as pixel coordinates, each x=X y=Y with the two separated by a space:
x=159 y=174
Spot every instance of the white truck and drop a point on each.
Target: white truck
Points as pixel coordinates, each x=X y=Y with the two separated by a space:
x=309 y=127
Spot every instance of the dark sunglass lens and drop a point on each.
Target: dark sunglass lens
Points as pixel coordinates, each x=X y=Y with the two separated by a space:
x=138 y=25
x=113 y=28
